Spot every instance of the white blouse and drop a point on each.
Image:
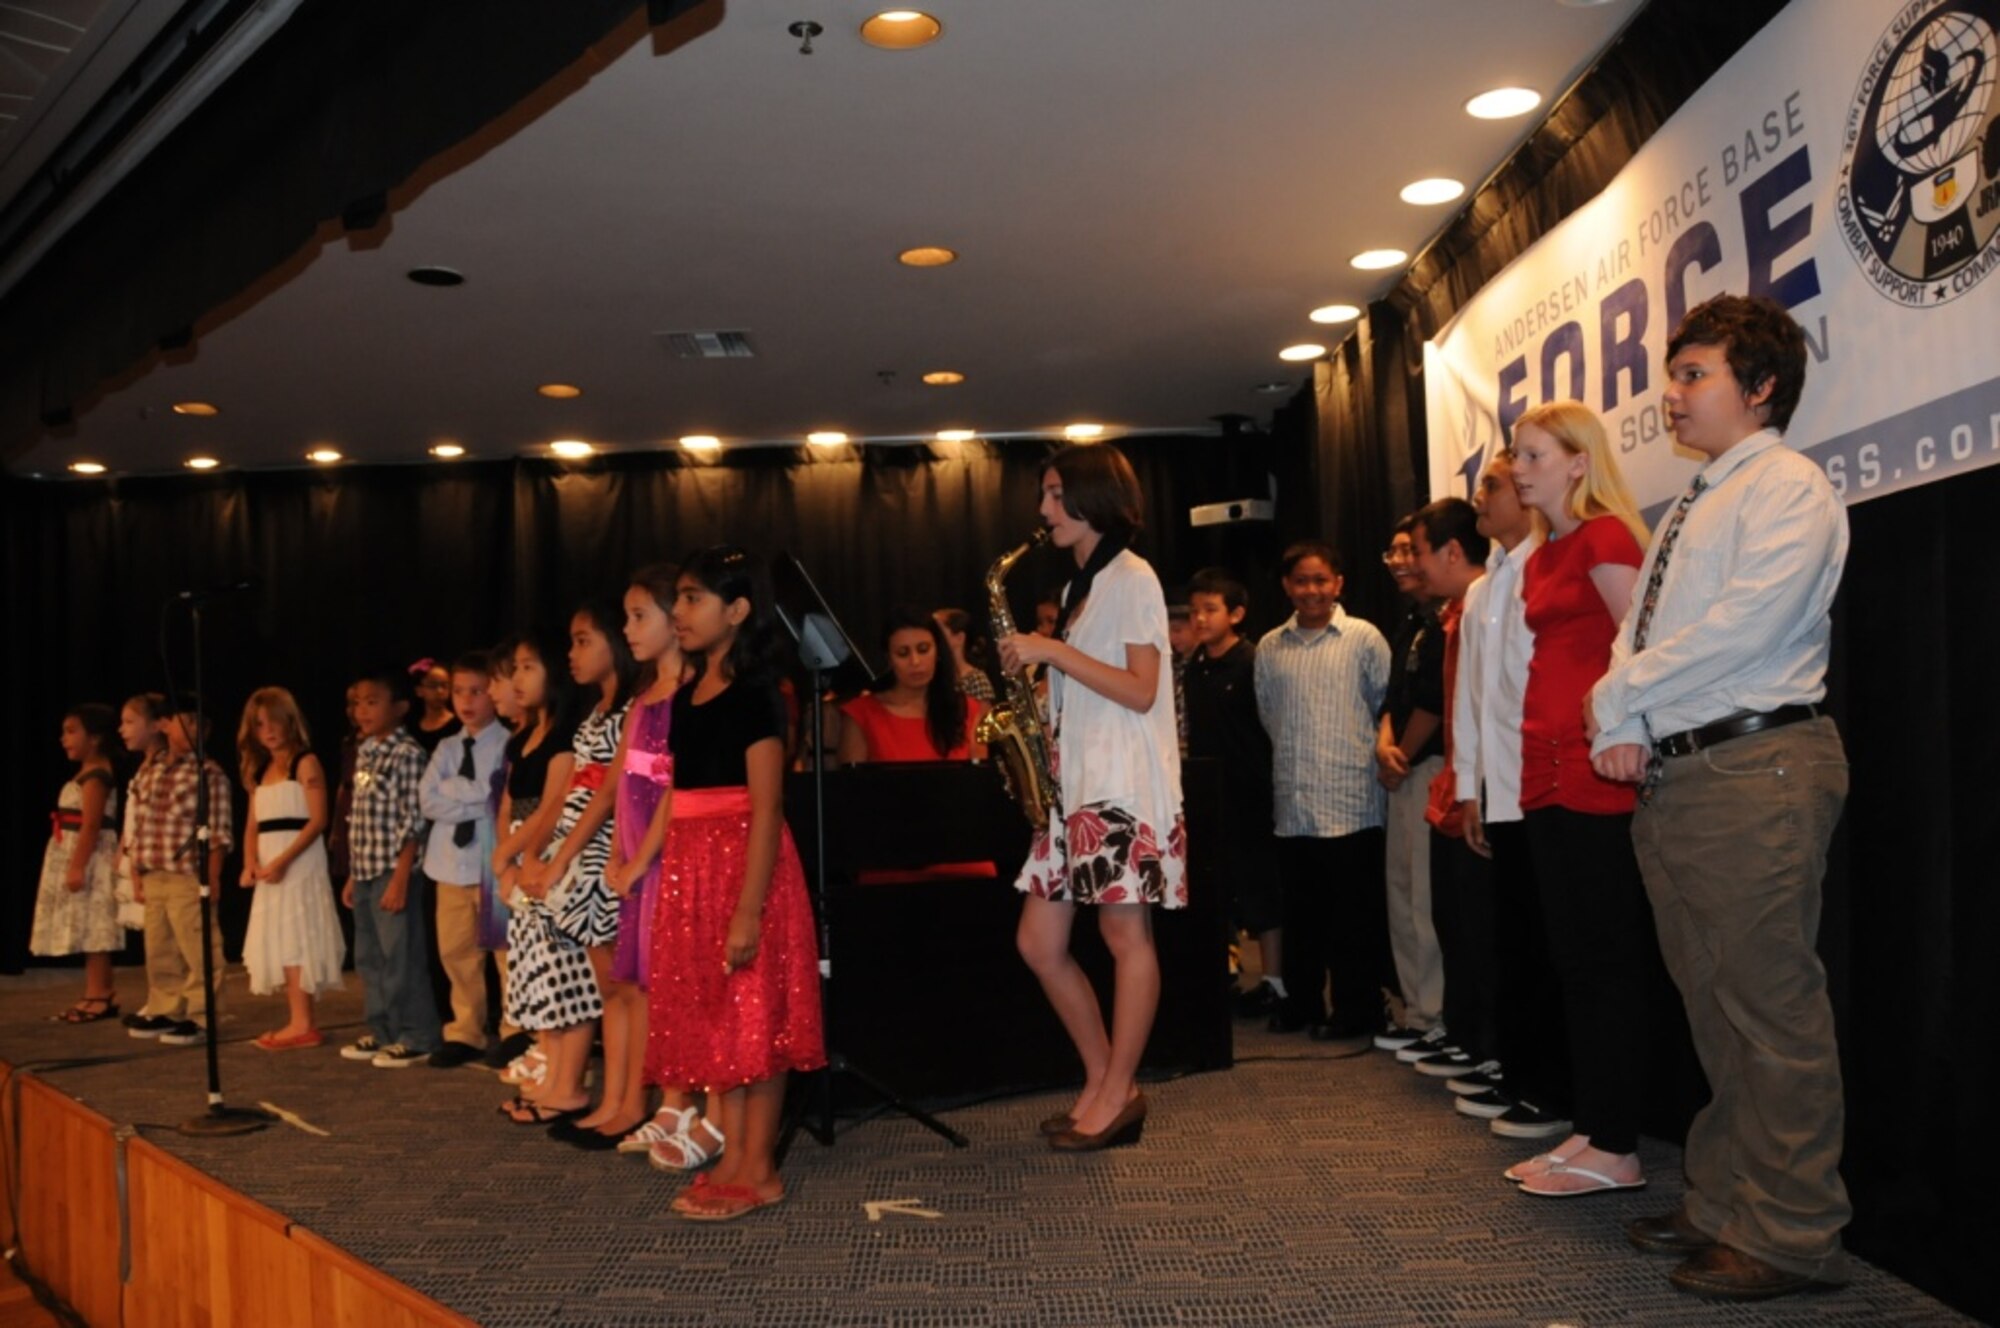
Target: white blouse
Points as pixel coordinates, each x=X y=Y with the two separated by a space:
x=1105 y=752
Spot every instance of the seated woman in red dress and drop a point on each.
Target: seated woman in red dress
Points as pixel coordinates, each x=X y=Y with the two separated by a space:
x=921 y=715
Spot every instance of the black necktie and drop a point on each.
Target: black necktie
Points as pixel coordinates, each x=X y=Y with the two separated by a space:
x=461 y=834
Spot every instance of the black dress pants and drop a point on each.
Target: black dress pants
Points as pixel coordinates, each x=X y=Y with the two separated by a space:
x=1336 y=928
x=1462 y=915
x=1532 y=1039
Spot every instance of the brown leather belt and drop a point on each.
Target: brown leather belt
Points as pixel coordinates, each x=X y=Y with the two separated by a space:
x=1736 y=726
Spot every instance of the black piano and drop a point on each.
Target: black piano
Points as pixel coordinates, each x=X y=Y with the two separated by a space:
x=927 y=991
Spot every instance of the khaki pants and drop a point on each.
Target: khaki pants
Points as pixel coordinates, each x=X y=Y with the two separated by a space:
x=1412 y=935
x=173 y=947
x=464 y=962
x=1733 y=849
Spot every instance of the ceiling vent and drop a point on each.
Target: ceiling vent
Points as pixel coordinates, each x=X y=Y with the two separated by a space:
x=707 y=345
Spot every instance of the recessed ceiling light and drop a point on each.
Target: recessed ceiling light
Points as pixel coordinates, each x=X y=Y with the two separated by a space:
x=447 y=451
x=1432 y=191
x=202 y=408
x=87 y=467
x=956 y=435
x=1335 y=313
x=1305 y=350
x=560 y=391
x=701 y=442
x=1503 y=103
x=901 y=30
x=943 y=377
x=325 y=456
x=571 y=448
x=927 y=255
x=201 y=463
x=1078 y=433
x=436 y=276
x=1369 y=260
x=826 y=438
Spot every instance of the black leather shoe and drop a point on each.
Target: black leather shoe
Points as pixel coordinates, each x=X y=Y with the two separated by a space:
x=1262 y=999
x=1725 y=1274
x=1667 y=1233
x=1284 y=1021
x=1335 y=1030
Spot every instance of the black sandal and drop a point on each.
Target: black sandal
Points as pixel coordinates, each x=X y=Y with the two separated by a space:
x=81 y=1013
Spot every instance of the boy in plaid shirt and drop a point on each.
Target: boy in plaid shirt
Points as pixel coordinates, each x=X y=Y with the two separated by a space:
x=383 y=887
x=165 y=857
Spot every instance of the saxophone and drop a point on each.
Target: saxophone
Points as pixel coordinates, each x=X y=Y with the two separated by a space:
x=1012 y=731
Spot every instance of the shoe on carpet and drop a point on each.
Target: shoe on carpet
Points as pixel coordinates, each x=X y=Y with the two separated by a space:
x=1525 y=1120
x=1395 y=1038
x=182 y=1033
x=363 y=1048
x=1284 y=1021
x=396 y=1056
x=452 y=1055
x=1667 y=1233
x=1447 y=1064
x=143 y=1025
x=1599 y=1182
x=1486 y=1075
x=1483 y=1106
x=503 y=1050
x=1434 y=1040
x=1260 y=1000
x=1341 y=1030
x=1725 y=1274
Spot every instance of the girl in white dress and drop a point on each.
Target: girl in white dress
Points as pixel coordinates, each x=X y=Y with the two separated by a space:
x=76 y=909
x=1115 y=841
x=294 y=940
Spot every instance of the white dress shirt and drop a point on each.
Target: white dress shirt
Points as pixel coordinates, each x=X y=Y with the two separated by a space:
x=1318 y=693
x=1741 y=622
x=1495 y=644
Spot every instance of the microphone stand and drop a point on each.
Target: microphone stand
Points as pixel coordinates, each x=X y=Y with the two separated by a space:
x=220 y=1118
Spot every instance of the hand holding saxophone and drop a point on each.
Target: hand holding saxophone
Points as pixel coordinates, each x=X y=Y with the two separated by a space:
x=1024 y=649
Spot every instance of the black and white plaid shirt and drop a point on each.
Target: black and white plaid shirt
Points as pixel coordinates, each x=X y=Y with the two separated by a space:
x=386 y=816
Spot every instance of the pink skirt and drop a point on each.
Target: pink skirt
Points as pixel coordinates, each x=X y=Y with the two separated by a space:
x=707 y=1029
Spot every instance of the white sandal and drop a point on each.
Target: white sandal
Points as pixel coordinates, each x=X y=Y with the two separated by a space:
x=1602 y=1183
x=678 y=1149
x=1515 y=1175
x=530 y=1067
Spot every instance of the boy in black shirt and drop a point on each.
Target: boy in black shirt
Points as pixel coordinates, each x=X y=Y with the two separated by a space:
x=1222 y=724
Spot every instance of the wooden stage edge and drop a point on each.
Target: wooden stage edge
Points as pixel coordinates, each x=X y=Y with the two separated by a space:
x=123 y=1232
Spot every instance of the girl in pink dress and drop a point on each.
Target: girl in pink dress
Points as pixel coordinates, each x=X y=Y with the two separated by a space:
x=733 y=985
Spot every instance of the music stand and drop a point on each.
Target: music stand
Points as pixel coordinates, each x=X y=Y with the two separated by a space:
x=827 y=653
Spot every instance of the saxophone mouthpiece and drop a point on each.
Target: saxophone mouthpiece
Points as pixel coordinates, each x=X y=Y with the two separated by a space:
x=1039 y=536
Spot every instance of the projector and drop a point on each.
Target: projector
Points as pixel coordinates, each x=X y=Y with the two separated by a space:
x=1230 y=513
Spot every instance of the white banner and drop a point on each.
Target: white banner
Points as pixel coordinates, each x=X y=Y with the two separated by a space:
x=1847 y=163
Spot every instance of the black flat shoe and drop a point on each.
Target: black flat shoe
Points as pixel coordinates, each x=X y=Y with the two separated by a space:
x=586 y=1140
x=1125 y=1128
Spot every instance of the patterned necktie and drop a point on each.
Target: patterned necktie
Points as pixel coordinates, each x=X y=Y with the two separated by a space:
x=1668 y=538
x=461 y=834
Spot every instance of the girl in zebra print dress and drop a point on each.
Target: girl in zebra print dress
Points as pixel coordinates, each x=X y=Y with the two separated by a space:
x=577 y=910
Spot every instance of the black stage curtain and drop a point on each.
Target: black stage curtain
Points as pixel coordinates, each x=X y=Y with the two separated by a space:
x=372 y=566
x=330 y=122
x=1909 y=915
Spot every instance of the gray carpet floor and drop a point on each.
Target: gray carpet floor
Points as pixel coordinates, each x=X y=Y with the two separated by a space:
x=1298 y=1188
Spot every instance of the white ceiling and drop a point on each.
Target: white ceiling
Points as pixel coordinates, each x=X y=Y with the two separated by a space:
x=1148 y=197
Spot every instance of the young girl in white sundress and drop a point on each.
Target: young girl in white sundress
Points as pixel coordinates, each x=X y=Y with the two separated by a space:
x=76 y=909
x=294 y=940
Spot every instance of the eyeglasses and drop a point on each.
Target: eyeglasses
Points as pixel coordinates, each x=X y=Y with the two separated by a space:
x=1398 y=553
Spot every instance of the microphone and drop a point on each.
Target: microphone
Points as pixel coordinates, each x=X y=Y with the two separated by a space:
x=216 y=592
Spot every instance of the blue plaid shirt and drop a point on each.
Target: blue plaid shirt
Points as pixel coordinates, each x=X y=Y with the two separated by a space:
x=386 y=815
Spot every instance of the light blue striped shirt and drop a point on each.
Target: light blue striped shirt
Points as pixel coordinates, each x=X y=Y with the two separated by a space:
x=1318 y=693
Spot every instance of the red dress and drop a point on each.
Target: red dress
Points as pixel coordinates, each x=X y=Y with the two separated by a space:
x=708 y=1029
x=893 y=737
x=1573 y=634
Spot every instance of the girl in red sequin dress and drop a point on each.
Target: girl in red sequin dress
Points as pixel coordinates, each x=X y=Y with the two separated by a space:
x=733 y=983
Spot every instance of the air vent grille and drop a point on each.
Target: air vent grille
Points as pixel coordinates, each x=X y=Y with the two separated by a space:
x=707 y=345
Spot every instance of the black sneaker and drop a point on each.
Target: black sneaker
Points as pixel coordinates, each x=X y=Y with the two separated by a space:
x=452 y=1055
x=147 y=1025
x=363 y=1048
x=1486 y=1075
x=1396 y=1038
x=1434 y=1040
x=1446 y=1064
x=1525 y=1120
x=1261 y=999
x=504 y=1050
x=396 y=1056
x=1484 y=1106
x=182 y=1033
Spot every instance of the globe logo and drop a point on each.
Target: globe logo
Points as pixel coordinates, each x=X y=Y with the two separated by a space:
x=1919 y=195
